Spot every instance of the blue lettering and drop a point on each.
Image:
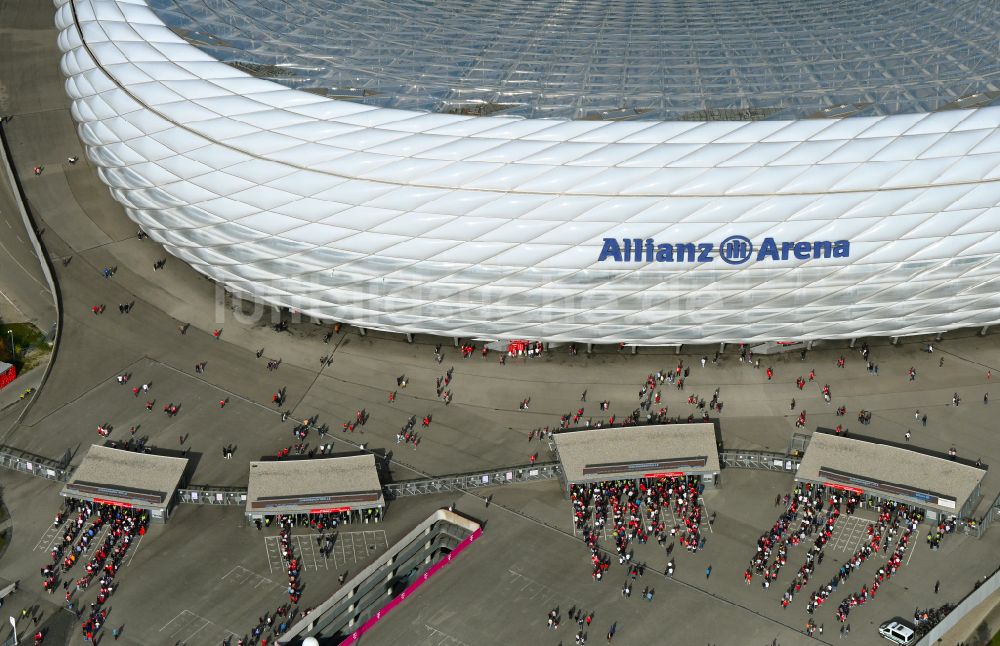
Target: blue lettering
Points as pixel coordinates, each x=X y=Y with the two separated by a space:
x=685 y=252
x=664 y=253
x=611 y=249
x=705 y=252
x=735 y=250
x=768 y=249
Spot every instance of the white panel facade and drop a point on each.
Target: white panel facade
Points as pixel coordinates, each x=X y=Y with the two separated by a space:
x=490 y=227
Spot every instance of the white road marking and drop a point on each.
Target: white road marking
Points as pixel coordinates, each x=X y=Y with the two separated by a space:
x=48 y=538
x=134 y=548
x=188 y=620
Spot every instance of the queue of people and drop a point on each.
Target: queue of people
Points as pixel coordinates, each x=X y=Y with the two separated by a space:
x=630 y=511
x=119 y=528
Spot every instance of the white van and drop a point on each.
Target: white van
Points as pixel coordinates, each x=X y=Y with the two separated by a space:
x=898 y=632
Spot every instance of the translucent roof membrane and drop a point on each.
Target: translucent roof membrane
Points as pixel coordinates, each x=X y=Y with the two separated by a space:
x=613 y=59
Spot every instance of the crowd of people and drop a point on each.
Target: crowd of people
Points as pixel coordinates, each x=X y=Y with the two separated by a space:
x=894 y=519
x=630 y=511
x=812 y=512
x=100 y=535
x=805 y=504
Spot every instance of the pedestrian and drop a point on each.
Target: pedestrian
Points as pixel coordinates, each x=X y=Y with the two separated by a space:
x=986 y=398
x=937 y=586
x=907 y=435
x=708 y=571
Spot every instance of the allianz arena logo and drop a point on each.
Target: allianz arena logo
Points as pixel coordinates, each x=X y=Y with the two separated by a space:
x=734 y=250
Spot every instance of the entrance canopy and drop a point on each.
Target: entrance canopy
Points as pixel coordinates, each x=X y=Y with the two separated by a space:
x=314 y=486
x=907 y=475
x=126 y=479
x=596 y=454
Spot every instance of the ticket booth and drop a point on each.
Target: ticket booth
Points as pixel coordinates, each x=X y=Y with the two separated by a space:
x=128 y=479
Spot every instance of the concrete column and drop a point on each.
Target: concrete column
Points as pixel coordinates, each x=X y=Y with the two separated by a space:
x=590 y=348
x=983 y=331
x=722 y=347
x=809 y=345
x=894 y=340
x=362 y=331
x=852 y=342
x=456 y=340
x=677 y=349
x=409 y=338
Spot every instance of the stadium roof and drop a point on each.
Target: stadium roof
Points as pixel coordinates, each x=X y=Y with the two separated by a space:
x=627 y=59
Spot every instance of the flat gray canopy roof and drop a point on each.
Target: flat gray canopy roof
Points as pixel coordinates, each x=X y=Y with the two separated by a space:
x=899 y=473
x=126 y=477
x=595 y=454
x=314 y=486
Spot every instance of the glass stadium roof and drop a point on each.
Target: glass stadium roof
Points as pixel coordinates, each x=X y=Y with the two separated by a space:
x=617 y=59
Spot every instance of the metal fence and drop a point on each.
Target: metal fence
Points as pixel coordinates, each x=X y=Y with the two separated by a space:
x=524 y=473
x=35 y=465
x=212 y=495
x=980 y=592
x=506 y=475
x=766 y=460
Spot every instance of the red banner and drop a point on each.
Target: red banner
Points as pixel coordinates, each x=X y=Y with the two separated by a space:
x=672 y=474
x=844 y=487
x=331 y=510
x=114 y=503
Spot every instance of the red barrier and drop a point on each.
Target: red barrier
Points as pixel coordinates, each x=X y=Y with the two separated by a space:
x=434 y=569
x=8 y=375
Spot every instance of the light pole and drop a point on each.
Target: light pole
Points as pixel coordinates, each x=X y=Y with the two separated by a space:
x=13 y=355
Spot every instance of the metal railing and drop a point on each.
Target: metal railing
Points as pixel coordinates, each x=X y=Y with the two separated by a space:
x=765 y=460
x=195 y=495
x=35 y=465
x=208 y=495
x=473 y=480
